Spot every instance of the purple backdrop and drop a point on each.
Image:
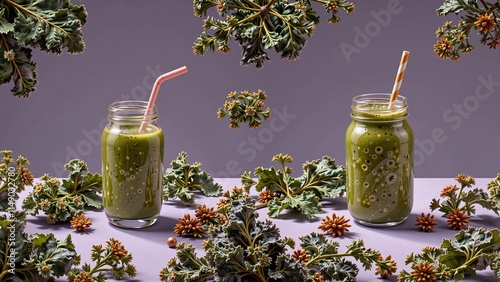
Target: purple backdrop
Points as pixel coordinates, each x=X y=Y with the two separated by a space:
x=454 y=106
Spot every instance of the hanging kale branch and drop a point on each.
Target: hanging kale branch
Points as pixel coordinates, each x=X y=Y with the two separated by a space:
x=50 y=26
x=481 y=16
x=260 y=25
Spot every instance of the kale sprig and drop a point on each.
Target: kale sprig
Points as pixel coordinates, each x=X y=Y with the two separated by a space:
x=482 y=16
x=461 y=200
x=113 y=258
x=60 y=201
x=472 y=250
x=321 y=178
x=32 y=257
x=14 y=177
x=245 y=108
x=246 y=249
x=182 y=179
x=261 y=25
x=50 y=26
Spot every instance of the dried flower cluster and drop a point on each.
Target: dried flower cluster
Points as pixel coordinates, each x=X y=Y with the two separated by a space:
x=458 y=205
x=336 y=225
x=80 y=222
x=245 y=108
x=481 y=16
x=258 y=26
x=457 y=219
x=204 y=219
x=426 y=223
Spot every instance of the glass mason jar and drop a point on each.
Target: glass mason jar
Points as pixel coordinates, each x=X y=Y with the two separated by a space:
x=132 y=165
x=379 y=161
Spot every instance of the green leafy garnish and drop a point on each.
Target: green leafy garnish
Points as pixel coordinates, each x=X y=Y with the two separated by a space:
x=259 y=25
x=459 y=199
x=246 y=249
x=473 y=249
x=182 y=179
x=494 y=189
x=50 y=26
x=35 y=257
x=114 y=259
x=245 y=108
x=454 y=39
x=14 y=177
x=321 y=178
x=62 y=201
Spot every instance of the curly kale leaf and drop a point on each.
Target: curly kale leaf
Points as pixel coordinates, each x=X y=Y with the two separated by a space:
x=473 y=249
x=51 y=26
x=62 y=201
x=324 y=256
x=456 y=6
x=321 y=179
x=35 y=257
x=259 y=26
x=182 y=179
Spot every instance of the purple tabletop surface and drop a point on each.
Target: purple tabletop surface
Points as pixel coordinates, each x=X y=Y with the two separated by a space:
x=151 y=253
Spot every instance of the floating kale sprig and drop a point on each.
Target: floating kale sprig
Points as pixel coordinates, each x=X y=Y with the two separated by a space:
x=245 y=108
x=454 y=39
x=182 y=179
x=114 y=259
x=50 y=26
x=473 y=249
x=62 y=201
x=458 y=204
x=14 y=177
x=245 y=249
x=33 y=257
x=259 y=25
x=321 y=178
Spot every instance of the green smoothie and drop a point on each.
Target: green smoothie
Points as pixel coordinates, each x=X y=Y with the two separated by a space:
x=132 y=165
x=379 y=158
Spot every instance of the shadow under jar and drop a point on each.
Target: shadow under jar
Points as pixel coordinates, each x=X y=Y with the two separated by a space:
x=379 y=161
x=132 y=165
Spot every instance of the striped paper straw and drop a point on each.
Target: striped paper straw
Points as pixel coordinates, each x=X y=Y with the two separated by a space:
x=399 y=79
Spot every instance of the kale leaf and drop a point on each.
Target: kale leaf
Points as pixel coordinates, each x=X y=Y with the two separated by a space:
x=182 y=179
x=63 y=200
x=321 y=178
x=50 y=26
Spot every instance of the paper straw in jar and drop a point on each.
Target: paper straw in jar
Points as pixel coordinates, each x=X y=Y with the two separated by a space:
x=399 y=79
x=156 y=87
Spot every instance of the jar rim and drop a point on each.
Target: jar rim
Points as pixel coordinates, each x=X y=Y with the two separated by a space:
x=378 y=98
x=131 y=110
